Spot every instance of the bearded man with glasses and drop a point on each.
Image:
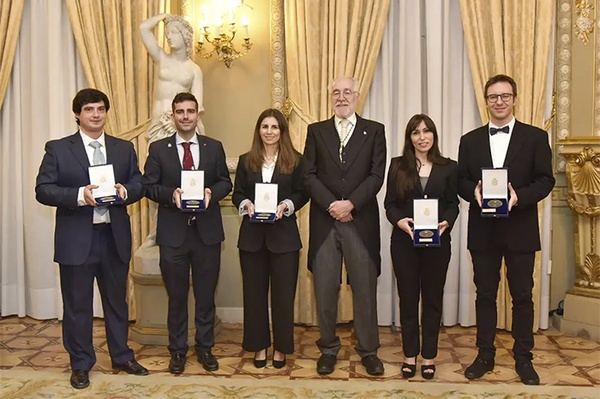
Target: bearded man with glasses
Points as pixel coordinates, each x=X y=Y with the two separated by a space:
x=524 y=151
x=344 y=158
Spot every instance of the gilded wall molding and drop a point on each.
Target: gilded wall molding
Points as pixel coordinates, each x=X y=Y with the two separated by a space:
x=563 y=78
x=278 y=87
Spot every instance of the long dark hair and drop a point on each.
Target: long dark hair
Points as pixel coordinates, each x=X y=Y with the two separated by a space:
x=406 y=172
x=287 y=158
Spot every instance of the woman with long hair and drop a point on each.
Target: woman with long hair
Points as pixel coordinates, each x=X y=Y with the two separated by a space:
x=269 y=253
x=421 y=172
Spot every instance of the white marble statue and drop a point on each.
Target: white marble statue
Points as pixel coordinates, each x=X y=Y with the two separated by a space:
x=177 y=72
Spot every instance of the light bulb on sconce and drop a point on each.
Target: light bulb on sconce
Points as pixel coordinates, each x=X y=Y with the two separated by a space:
x=221 y=35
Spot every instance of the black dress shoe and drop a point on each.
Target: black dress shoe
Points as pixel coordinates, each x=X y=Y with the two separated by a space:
x=479 y=367
x=209 y=362
x=131 y=367
x=372 y=364
x=177 y=363
x=527 y=372
x=80 y=379
x=325 y=364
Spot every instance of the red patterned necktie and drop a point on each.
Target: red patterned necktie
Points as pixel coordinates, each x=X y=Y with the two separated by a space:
x=188 y=161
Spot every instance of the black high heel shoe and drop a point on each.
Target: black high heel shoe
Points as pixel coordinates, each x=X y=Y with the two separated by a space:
x=259 y=364
x=428 y=371
x=412 y=370
x=279 y=364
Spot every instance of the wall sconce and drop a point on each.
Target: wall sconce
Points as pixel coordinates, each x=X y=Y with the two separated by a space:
x=220 y=34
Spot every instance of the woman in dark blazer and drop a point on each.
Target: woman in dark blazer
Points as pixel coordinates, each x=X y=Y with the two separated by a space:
x=269 y=252
x=421 y=172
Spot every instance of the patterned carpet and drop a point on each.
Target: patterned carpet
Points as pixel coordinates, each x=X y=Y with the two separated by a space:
x=569 y=367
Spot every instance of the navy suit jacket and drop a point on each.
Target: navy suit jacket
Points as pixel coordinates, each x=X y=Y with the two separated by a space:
x=358 y=179
x=281 y=236
x=162 y=175
x=64 y=169
x=529 y=163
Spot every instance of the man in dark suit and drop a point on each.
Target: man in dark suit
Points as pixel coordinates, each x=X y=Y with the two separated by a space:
x=91 y=241
x=345 y=164
x=188 y=239
x=524 y=150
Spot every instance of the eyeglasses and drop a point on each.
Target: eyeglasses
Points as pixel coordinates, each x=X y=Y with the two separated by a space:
x=346 y=93
x=505 y=97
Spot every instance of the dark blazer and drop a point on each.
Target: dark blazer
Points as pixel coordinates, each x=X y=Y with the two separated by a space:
x=358 y=179
x=63 y=170
x=162 y=175
x=281 y=236
x=529 y=163
x=442 y=184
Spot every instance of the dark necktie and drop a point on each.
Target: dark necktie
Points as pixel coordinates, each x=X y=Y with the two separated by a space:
x=504 y=129
x=188 y=161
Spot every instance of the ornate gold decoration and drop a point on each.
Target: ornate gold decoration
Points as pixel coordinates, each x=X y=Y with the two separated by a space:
x=584 y=172
x=584 y=23
x=288 y=107
x=583 y=178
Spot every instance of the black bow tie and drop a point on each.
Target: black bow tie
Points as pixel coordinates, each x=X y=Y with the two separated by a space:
x=504 y=129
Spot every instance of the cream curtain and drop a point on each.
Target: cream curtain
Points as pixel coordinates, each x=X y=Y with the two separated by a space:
x=11 y=13
x=116 y=62
x=326 y=39
x=512 y=37
x=423 y=68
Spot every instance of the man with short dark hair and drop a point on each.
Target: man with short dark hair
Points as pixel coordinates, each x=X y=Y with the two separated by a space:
x=91 y=241
x=524 y=150
x=188 y=239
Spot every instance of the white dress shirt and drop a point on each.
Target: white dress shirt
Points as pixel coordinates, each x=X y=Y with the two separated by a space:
x=194 y=149
x=499 y=144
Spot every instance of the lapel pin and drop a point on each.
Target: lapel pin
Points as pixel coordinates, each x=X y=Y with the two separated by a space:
x=169 y=145
x=365 y=132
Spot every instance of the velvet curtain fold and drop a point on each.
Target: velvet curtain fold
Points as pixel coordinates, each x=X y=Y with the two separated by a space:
x=326 y=39
x=513 y=37
x=11 y=13
x=115 y=61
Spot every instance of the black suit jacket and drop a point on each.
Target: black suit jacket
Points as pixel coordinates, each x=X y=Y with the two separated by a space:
x=281 y=236
x=442 y=184
x=64 y=169
x=162 y=175
x=529 y=163
x=358 y=179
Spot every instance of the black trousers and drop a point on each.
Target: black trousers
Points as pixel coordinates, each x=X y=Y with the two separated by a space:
x=77 y=287
x=420 y=273
x=519 y=272
x=205 y=263
x=258 y=270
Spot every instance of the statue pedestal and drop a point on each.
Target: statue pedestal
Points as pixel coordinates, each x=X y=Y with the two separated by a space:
x=581 y=316
x=151 y=302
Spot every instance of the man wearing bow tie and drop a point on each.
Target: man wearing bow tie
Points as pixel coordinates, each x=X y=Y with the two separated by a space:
x=524 y=150
x=345 y=163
